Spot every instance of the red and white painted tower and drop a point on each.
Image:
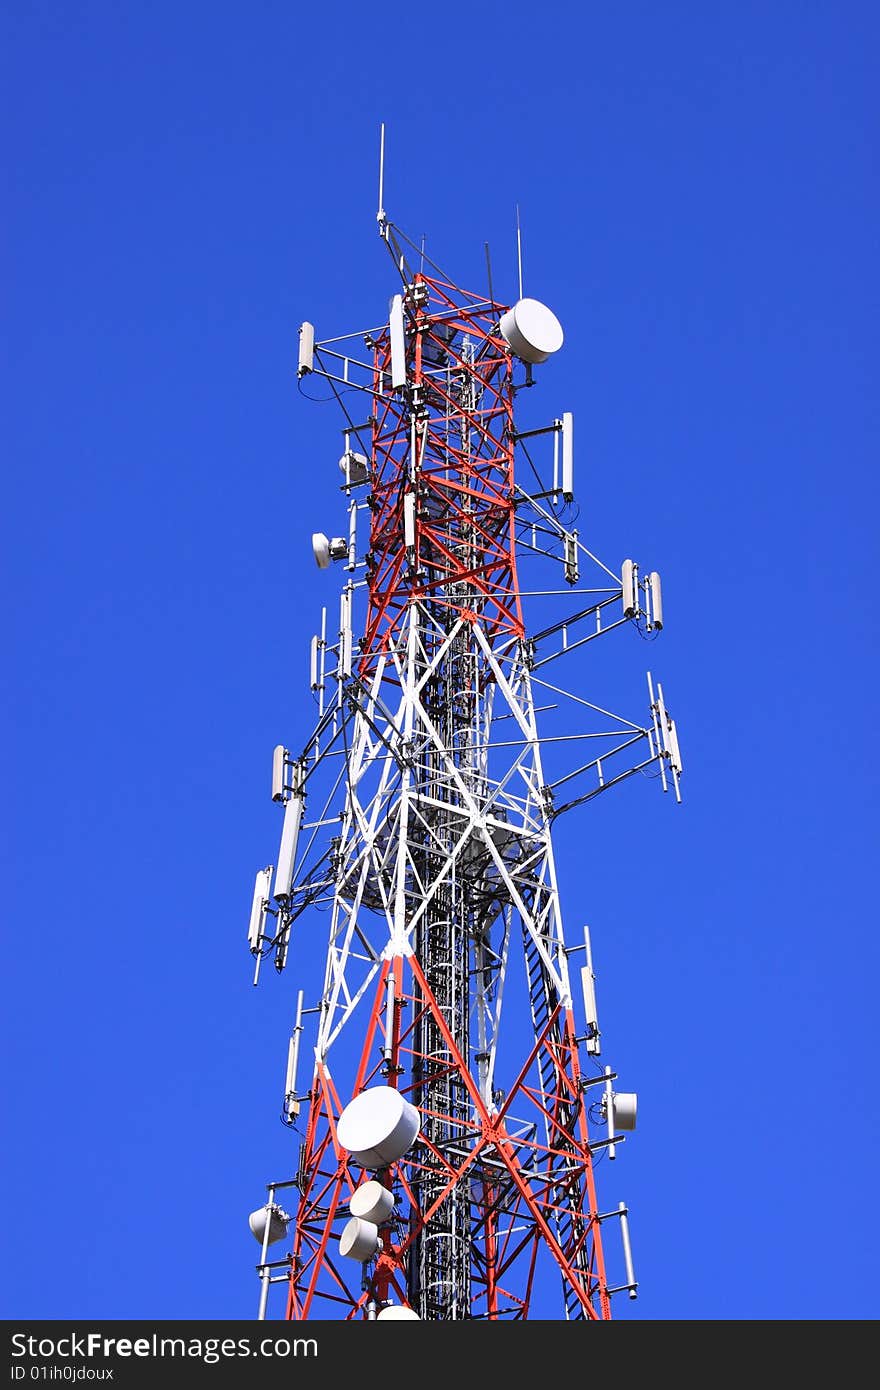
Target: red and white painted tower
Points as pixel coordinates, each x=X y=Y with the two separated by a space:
x=443 y=1073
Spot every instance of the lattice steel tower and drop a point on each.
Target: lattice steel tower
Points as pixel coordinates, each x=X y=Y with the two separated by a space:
x=445 y=1167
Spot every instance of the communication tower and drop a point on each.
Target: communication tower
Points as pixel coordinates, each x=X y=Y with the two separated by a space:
x=443 y=1075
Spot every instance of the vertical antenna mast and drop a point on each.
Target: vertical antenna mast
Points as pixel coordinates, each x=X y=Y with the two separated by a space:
x=380 y=215
x=519 y=252
x=445 y=1169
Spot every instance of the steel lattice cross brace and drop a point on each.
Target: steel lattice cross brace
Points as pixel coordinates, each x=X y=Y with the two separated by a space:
x=428 y=763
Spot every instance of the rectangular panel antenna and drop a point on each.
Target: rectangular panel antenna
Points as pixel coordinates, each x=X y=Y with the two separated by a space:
x=352 y=535
x=568 y=456
x=345 y=633
x=306 y=349
x=628 y=583
x=656 y=600
x=409 y=520
x=588 y=985
x=258 y=907
x=608 y=1110
x=279 y=758
x=398 y=343
x=674 y=752
x=291 y=1104
x=289 y=836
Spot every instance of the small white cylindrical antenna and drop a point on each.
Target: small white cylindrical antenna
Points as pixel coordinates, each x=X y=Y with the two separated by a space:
x=289 y=835
x=390 y=996
x=660 y=744
x=558 y=424
x=664 y=720
x=291 y=1104
x=258 y=907
x=609 y=1112
x=656 y=600
x=322 y=661
x=352 y=535
x=519 y=251
x=380 y=215
x=588 y=985
x=628 y=573
x=306 y=349
x=631 y=1281
x=345 y=633
x=279 y=758
x=568 y=455
x=398 y=343
x=314 y=676
x=673 y=747
x=409 y=520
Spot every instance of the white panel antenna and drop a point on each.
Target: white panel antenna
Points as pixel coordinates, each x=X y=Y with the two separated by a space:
x=608 y=1114
x=352 y=535
x=568 y=456
x=259 y=906
x=656 y=600
x=306 y=349
x=293 y=811
x=398 y=343
x=674 y=753
x=291 y=1102
x=279 y=759
x=629 y=578
x=588 y=985
x=345 y=633
x=409 y=520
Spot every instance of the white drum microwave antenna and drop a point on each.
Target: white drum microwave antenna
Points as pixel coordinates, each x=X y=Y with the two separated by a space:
x=359 y=1240
x=532 y=331
x=378 y=1127
x=372 y=1202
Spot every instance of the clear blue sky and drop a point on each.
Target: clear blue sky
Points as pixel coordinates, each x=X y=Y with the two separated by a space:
x=183 y=185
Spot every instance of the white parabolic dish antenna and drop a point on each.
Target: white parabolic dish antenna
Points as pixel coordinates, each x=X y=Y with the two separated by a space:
x=278 y=1223
x=372 y=1202
x=359 y=1240
x=378 y=1126
x=532 y=330
x=396 y=1312
x=321 y=549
